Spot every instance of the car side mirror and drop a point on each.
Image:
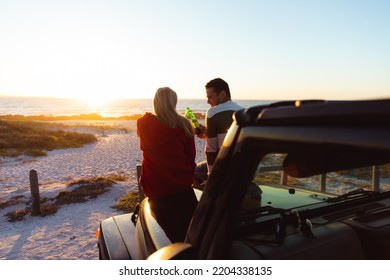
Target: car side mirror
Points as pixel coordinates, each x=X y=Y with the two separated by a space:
x=175 y=251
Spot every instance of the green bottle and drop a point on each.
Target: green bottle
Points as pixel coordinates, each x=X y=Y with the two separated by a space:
x=190 y=115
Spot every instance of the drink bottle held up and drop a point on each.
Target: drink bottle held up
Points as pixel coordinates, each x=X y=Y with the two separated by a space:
x=190 y=115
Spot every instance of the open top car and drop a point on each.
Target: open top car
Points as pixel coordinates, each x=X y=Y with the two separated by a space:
x=293 y=180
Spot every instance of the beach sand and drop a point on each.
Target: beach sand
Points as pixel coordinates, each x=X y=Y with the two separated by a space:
x=69 y=234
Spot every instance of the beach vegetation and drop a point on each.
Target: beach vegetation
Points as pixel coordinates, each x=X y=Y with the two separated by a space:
x=12 y=201
x=35 y=153
x=81 y=191
x=89 y=117
x=34 y=139
x=366 y=172
x=267 y=178
x=85 y=188
x=17 y=214
x=127 y=202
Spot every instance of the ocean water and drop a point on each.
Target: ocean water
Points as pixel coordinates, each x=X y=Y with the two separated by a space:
x=49 y=106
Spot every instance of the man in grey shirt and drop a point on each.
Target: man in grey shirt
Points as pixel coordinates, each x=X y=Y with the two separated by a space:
x=218 y=120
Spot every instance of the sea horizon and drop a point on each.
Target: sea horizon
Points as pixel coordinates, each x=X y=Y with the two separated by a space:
x=63 y=106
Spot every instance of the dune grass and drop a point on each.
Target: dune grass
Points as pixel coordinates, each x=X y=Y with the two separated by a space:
x=127 y=202
x=92 y=116
x=85 y=189
x=34 y=139
x=82 y=191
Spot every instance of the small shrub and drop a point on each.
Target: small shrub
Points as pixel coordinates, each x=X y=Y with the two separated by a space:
x=35 y=153
x=4 y=204
x=13 y=201
x=87 y=188
x=32 y=138
x=117 y=178
x=48 y=210
x=67 y=197
x=127 y=202
x=53 y=138
x=17 y=215
x=267 y=178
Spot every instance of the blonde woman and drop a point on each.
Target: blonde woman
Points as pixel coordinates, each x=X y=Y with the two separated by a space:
x=168 y=164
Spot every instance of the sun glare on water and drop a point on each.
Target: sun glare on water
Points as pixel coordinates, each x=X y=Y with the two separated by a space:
x=95 y=104
x=96 y=101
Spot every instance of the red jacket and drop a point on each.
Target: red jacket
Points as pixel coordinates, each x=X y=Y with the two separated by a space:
x=168 y=158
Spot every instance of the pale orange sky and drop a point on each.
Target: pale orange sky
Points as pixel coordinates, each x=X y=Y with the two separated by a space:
x=263 y=49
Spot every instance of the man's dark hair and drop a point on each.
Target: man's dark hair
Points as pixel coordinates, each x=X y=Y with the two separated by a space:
x=219 y=85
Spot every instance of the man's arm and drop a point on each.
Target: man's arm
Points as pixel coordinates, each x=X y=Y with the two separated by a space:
x=211 y=142
x=202 y=134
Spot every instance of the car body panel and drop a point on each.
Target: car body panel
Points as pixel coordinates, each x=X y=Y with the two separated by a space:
x=117 y=238
x=132 y=236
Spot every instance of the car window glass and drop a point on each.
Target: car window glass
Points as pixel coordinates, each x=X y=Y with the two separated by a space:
x=270 y=174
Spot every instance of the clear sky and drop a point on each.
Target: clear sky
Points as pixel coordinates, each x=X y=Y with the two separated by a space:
x=264 y=49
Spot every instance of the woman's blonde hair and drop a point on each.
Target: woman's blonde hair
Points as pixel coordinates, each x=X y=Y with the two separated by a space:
x=164 y=104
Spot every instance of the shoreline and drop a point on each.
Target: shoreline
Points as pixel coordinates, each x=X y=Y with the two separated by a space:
x=81 y=117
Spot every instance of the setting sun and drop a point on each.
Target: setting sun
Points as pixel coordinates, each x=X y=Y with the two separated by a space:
x=95 y=102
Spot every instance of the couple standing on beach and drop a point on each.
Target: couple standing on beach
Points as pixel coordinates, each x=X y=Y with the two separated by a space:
x=169 y=171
